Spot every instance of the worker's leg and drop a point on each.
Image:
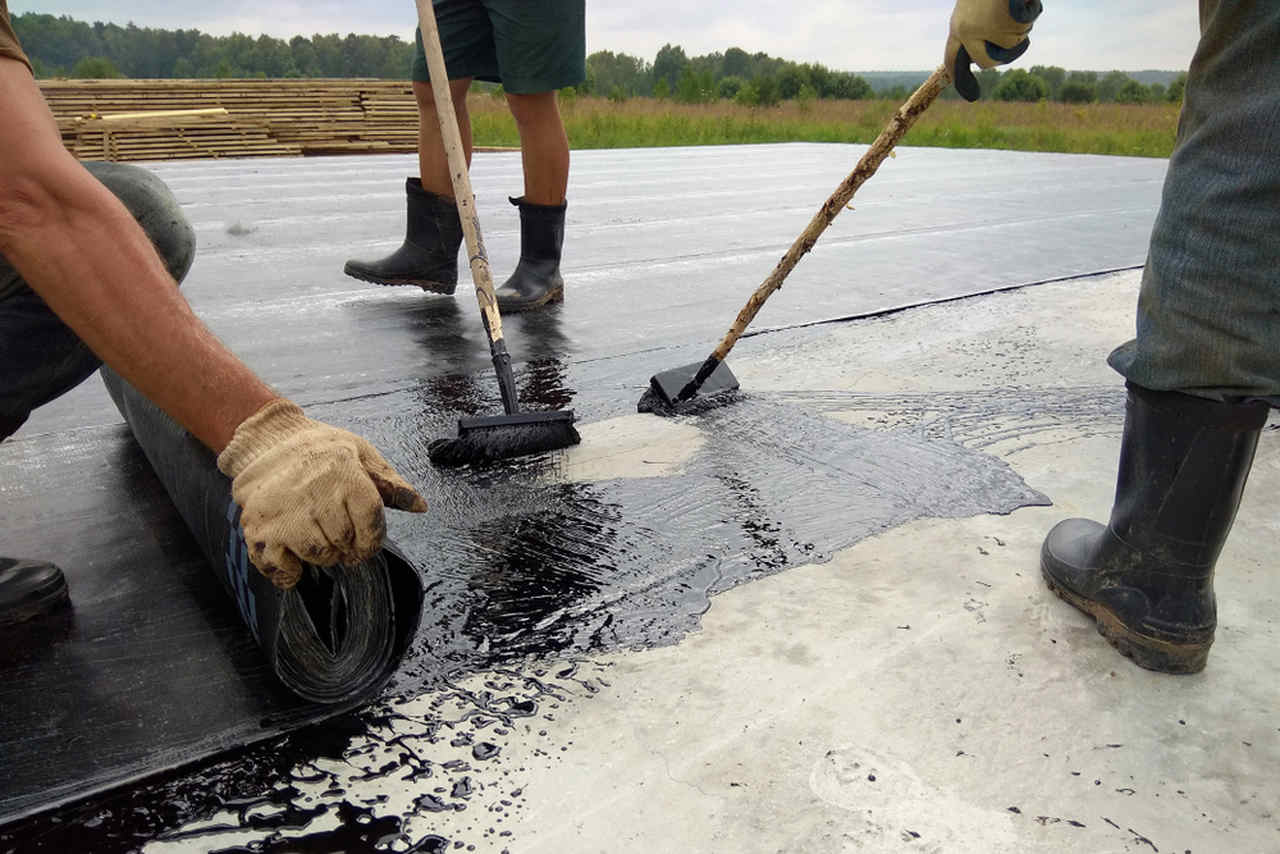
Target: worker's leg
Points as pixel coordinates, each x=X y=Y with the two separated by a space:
x=544 y=147
x=428 y=257
x=433 y=165
x=541 y=48
x=1204 y=365
x=40 y=359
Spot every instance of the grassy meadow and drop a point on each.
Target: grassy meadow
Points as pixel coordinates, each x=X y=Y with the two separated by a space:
x=1145 y=130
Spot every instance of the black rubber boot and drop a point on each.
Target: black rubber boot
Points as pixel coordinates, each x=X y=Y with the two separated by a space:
x=428 y=257
x=536 y=281
x=1147 y=577
x=29 y=589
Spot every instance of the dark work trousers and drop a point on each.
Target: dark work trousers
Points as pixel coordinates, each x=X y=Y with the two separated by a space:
x=40 y=357
x=1209 y=311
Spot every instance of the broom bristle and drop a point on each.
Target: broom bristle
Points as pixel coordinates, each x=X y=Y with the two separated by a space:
x=495 y=442
x=653 y=403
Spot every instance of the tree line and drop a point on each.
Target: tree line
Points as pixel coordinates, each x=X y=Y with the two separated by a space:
x=1052 y=83
x=60 y=46
x=64 y=47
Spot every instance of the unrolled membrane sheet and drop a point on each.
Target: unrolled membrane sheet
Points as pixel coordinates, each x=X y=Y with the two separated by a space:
x=156 y=671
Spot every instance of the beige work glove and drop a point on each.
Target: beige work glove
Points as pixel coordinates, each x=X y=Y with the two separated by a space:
x=309 y=492
x=990 y=33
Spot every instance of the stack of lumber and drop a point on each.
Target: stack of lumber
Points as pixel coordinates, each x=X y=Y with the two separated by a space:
x=173 y=119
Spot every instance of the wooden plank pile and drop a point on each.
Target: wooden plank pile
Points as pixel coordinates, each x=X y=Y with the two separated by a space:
x=175 y=119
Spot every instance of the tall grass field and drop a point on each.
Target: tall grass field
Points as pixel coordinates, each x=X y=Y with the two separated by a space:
x=1145 y=130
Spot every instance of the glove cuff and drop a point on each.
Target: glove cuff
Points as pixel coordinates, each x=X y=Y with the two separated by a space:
x=261 y=431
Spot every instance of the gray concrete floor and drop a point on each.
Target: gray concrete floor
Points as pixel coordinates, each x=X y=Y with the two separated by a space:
x=921 y=691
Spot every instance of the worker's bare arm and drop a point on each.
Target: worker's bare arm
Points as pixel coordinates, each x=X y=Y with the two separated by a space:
x=79 y=248
x=309 y=491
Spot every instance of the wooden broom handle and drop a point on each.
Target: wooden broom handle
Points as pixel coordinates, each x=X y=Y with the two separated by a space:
x=901 y=122
x=458 y=174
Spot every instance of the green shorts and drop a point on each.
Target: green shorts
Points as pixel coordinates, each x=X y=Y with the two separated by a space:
x=528 y=46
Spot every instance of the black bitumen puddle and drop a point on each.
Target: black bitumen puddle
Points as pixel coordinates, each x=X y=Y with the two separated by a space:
x=522 y=570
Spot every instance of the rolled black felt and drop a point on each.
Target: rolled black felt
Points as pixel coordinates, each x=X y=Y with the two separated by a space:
x=334 y=637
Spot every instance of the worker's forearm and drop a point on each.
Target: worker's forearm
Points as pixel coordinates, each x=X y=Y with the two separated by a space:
x=79 y=248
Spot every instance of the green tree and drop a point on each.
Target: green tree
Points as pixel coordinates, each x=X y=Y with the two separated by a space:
x=729 y=87
x=849 y=87
x=988 y=80
x=1132 y=92
x=1110 y=85
x=95 y=68
x=767 y=94
x=661 y=90
x=791 y=81
x=1018 y=85
x=748 y=95
x=1075 y=92
x=1177 y=88
x=1054 y=75
x=607 y=71
x=736 y=63
x=694 y=87
x=668 y=65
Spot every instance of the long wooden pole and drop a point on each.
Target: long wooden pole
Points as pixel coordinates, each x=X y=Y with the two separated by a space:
x=466 y=201
x=898 y=126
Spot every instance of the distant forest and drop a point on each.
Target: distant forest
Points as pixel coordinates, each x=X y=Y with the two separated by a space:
x=64 y=47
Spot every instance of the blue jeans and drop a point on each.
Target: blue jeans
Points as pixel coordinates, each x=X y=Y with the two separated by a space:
x=40 y=357
x=1209 y=309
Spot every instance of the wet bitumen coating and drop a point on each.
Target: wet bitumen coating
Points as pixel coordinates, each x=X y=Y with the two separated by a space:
x=523 y=567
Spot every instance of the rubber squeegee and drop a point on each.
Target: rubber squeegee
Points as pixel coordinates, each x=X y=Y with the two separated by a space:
x=702 y=385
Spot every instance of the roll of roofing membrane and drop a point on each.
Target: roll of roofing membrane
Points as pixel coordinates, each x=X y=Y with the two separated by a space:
x=334 y=637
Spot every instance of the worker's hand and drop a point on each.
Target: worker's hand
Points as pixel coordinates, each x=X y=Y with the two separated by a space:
x=309 y=492
x=990 y=33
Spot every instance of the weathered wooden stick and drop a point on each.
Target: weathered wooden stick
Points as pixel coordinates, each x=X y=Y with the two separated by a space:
x=466 y=201
x=458 y=171
x=901 y=122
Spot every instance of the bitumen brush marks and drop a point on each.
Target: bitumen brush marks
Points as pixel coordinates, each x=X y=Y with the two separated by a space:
x=531 y=566
x=523 y=568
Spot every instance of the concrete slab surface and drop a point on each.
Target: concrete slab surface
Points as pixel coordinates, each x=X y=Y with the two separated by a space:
x=891 y=675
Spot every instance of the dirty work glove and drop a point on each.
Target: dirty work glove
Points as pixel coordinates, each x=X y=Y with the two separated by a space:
x=309 y=492
x=990 y=33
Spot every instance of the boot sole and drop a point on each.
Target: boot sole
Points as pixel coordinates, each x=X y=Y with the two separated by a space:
x=52 y=598
x=425 y=284
x=550 y=297
x=1145 y=651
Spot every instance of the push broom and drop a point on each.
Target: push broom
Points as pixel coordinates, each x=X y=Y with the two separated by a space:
x=515 y=433
x=674 y=391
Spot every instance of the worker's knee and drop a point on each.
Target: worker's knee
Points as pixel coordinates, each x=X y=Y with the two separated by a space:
x=529 y=110
x=153 y=205
x=426 y=98
x=423 y=95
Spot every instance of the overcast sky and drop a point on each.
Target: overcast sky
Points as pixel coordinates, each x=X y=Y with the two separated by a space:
x=849 y=35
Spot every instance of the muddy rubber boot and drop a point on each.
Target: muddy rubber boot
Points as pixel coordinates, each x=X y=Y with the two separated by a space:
x=428 y=257
x=29 y=589
x=536 y=281
x=1147 y=576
